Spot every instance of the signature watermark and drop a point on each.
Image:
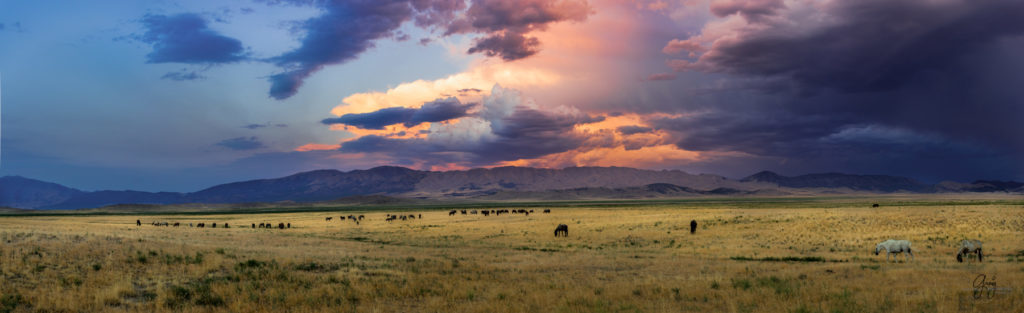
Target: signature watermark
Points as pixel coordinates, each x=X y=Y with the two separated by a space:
x=986 y=287
x=983 y=288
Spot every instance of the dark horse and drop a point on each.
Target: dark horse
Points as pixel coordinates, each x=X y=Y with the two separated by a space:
x=693 y=226
x=562 y=228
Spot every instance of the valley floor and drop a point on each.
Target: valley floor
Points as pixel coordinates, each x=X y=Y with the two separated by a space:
x=809 y=256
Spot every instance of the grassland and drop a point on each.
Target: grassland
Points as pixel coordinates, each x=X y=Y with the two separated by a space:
x=791 y=255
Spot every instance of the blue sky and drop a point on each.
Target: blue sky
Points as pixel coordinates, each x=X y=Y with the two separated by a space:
x=182 y=95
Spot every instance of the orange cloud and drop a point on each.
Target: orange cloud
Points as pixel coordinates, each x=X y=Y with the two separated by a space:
x=316 y=147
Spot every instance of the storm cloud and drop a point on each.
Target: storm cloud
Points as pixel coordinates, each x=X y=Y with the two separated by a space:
x=434 y=111
x=869 y=85
x=872 y=45
x=186 y=38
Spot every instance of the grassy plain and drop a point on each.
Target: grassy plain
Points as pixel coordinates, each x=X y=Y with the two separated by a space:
x=788 y=255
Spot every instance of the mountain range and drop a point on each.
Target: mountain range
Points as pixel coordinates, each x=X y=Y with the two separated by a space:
x=501 y=183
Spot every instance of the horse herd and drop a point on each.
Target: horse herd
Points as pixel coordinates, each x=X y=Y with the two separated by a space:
x=891 y=247
x=265 y=225
x=352 y=218
x=495 y=212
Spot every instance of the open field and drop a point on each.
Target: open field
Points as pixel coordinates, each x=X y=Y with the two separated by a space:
x=617 y=258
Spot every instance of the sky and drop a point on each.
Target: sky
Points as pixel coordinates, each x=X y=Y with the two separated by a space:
x=183 y=95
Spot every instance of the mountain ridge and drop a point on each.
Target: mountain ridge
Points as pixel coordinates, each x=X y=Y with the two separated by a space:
x=482 y=183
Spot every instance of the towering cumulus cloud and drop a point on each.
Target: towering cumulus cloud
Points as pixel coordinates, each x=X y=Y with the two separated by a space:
x=348 y=28
x=507 y=127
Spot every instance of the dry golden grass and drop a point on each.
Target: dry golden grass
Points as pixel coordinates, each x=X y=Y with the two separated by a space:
x=617 y=259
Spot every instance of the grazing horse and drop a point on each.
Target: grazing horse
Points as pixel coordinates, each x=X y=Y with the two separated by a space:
x=280 y=225
x=214 y=225
x=874 y=205
x=253 y=225
x=138 y=222
x=176 y=224
x=693 y=226
x=420 y=216
x=547 y=210
x=328 y=218
x=968 y=246
x=289 y=225
x=562 y=228
x=225 y=225
x=360 y=217
x=452 y=212
x=894 y=247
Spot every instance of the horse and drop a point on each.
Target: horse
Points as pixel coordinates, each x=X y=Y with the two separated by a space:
x=894 y=247
x=562 y=228
x=968 y=246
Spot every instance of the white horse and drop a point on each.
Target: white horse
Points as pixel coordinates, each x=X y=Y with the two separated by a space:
x=894 y=246
x=968 y=246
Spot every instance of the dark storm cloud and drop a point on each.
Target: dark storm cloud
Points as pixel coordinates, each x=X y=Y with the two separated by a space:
x=241 y=143
x=347 y=29
x=434 y=111
x=186 y=38
x=876 y=87
x=759 y=134
x=875 y=45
